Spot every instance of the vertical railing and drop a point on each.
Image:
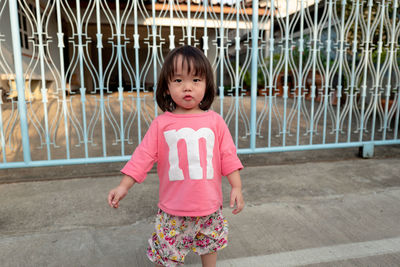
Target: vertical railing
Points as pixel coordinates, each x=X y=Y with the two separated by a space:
x=101 y=77
x=19 y=80
x=340 y=71
x=61 y=47
x=392 y=42
x=254 y=67
x=79 y=26
x=42 y=75
x=120 y=87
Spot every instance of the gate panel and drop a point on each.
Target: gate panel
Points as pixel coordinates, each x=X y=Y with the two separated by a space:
x=331 y=76
x=290 y=75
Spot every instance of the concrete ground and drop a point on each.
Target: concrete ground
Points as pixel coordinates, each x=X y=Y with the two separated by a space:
x=312 y=208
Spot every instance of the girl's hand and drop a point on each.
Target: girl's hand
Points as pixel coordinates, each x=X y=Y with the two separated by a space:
x=120 y=192
x=237 y=197
x=116 y=195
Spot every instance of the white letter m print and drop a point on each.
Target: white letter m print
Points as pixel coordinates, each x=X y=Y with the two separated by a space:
x=192 y=138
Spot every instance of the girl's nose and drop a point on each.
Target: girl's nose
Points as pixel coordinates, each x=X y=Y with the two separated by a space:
x=188 y=87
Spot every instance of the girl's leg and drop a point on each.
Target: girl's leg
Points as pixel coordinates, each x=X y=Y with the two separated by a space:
x=209 y=260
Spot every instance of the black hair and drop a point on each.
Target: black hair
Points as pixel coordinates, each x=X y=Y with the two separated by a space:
x=193 y=57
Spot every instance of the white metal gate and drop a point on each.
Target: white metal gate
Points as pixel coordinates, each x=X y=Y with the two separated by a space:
x=78 y=77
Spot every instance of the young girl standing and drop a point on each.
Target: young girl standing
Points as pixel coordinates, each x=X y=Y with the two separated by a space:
x=193 y=149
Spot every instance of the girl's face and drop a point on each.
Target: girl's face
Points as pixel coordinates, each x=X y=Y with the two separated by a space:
x=186 y=89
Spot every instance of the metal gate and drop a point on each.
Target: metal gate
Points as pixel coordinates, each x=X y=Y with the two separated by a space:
x=77 y=78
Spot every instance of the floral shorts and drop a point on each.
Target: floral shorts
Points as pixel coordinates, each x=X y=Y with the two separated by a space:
x=175 y=236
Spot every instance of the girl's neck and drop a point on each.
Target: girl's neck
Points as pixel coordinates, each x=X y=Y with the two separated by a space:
x=180 y=110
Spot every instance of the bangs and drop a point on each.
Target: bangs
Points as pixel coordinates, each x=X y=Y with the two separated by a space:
x=193 y=63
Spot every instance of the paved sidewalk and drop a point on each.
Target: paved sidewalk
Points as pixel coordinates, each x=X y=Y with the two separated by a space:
x=331 y=213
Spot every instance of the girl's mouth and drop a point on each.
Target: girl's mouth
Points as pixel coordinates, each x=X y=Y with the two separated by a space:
x=188 y=98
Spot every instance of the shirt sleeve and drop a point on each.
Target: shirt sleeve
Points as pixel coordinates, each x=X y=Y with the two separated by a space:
x=230 y=162
x=145 y=155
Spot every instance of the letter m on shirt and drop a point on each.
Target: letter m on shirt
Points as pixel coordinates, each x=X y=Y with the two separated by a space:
x=192 y=139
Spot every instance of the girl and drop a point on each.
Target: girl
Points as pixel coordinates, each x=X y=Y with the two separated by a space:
x=193 y=149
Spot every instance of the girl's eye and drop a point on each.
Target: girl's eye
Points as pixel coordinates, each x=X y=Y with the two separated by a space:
x=196 y=80
x=177 y=80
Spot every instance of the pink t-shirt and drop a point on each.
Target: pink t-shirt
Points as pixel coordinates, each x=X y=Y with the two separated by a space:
x=193 y=152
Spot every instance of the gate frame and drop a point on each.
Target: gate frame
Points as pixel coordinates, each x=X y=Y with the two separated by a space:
x=366 y=148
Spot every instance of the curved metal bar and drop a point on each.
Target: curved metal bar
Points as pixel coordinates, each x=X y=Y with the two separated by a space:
x=82 y=78
x=340 y=73
x=353 y=74
x=43 y=82
x=380 y=19
x=366 y=61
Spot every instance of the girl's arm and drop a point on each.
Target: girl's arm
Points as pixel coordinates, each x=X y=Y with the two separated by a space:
x=236 y=192
x=120 y=192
